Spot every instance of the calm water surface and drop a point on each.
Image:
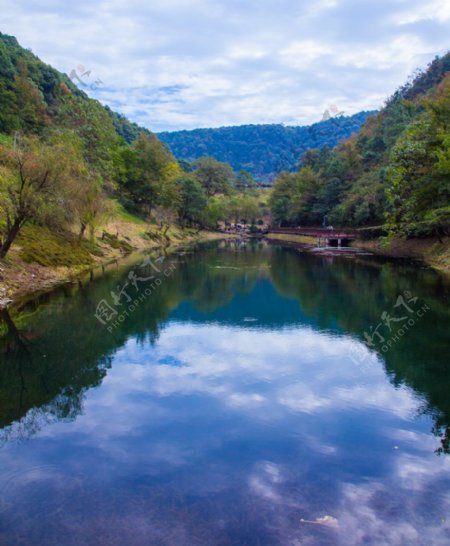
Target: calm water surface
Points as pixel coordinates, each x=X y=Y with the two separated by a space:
x=255 y=395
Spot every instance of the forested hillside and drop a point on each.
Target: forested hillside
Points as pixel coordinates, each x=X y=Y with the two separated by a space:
x=394 y=172
x=33 y=95
x=68 y=166
x=262 y=150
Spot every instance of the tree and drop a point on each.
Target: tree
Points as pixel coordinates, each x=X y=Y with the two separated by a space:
x=30 y=104
x=307 y=186
x=9 y=117
x=419 y=171
x=192 y=203
x=249 y=210
x=244 y=180
x=37 y=184
x=214 y=176
x=216 y=210
x=280 y=198
x=89 y=204
x=149 y=173
x=92 y=124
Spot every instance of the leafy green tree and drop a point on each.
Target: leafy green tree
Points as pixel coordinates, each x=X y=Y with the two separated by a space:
x=216 y=210
x=301 y=207
x=9 y=117
x=149 y=170
x=280 y=198
x=244 y=180
x=92 y=124
x=192 y=202
x=214 y=176
x=249 y=210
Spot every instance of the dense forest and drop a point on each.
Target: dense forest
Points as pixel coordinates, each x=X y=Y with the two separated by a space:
x=262 y=150
x=66 y=161
x=394 y=172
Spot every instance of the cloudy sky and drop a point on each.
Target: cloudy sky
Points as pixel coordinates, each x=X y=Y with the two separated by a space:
x=181 y=64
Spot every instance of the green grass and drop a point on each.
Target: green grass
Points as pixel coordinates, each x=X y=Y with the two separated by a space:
x=114 y=242
x=6 y=140
x=126 y=216
x=40 y=245
x=293 y=238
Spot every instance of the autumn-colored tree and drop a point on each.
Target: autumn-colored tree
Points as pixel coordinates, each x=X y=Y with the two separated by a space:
x=419 y=171
x=37 y=184
x=29 y=100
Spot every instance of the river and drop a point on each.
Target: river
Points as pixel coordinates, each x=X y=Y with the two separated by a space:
x=231 y=394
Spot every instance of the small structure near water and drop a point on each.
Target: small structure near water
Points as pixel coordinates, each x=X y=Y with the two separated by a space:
x=325 y=236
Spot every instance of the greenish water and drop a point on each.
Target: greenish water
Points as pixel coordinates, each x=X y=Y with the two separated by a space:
x=244 y=393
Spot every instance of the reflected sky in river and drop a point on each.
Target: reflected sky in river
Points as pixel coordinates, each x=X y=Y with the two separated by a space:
x=237 y=417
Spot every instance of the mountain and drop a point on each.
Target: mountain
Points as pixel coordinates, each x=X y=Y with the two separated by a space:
x=394 y=171
x=263 y=150
x=33 y=95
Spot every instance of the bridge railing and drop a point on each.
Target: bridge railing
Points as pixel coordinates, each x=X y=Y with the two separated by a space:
x=324 y=233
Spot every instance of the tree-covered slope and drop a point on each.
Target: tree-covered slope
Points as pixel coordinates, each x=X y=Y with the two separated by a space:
x=394 y=171
x=33 y=94
x=263 y=150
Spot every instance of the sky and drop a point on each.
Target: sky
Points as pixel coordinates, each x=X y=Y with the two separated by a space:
x=183 y=64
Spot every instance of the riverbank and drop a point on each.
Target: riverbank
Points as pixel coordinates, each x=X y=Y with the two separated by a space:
x=42 y=260
x=431 y=251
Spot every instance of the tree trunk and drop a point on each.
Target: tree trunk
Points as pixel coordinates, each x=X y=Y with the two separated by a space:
x=81 y=233
x=10 y=237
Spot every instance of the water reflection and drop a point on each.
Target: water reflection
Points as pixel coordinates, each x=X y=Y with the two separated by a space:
x=228 y=409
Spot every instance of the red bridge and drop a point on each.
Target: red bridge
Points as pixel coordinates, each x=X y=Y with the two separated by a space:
x=330 y=236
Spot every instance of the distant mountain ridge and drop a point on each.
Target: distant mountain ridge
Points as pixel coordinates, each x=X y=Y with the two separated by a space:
x=263 y=150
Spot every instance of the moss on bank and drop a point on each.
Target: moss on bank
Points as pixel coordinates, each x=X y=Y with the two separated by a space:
x=39 y=245
x=41 y=259
x=431 y=251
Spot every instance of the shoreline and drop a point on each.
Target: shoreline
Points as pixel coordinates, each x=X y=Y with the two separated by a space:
x=32 y=280
x=21 y=283
x=430 y=251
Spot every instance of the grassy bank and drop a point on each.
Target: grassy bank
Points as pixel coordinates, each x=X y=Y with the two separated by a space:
x=292 y=238
x=430 y=250
x=41 y=259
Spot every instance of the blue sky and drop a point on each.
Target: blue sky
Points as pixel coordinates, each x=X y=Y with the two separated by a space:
x=181 y=64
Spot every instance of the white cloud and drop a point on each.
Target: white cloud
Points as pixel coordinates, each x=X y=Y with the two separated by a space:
x=266 y=61
x=434 y=10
